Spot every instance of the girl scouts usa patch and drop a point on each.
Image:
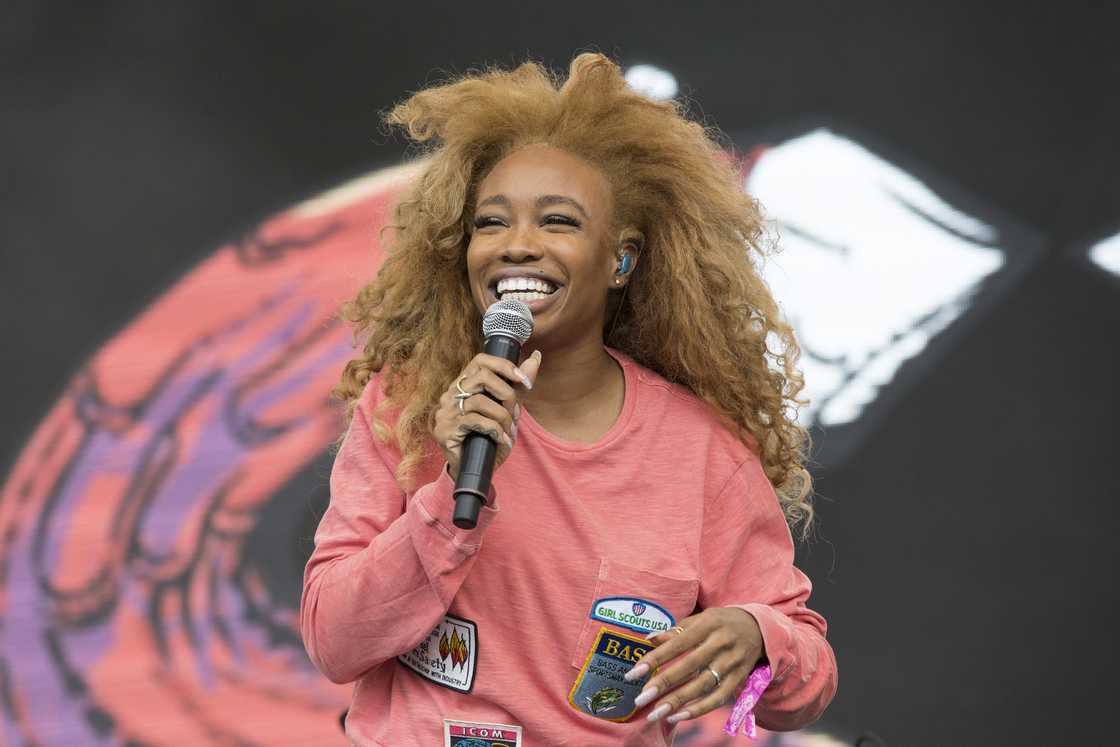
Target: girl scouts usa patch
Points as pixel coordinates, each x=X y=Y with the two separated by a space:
x=448 y=655
x=600 y=690
x=470 y=734
x=641 y=615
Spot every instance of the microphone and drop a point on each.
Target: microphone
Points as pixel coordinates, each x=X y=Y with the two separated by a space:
x=506 y=326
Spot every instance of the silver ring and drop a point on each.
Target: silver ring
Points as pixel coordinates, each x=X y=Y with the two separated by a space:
x=715 y=674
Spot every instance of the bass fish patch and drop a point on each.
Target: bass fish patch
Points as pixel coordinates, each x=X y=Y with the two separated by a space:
x=470 y=734
x=630 y=612
x=600 y=690
x=448 y=655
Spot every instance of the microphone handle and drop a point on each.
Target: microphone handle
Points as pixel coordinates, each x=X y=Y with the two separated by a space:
x=476 y=464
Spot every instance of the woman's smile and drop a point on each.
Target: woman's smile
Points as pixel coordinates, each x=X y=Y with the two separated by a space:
x=536 y=300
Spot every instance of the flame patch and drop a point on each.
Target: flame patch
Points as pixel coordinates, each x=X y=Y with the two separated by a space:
x=448 y=655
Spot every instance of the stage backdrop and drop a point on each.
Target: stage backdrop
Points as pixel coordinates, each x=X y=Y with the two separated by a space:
x=941 y=182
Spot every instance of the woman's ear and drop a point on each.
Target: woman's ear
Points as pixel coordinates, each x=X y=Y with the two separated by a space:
x=630 y=243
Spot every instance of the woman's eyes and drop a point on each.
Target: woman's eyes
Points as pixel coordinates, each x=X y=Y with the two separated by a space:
x=553 y=219
x=484 y=222
x=558 y=220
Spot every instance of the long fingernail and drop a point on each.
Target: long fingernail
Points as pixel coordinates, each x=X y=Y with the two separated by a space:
x=639 y=670
x=516 y=410
x=509 y=441
x=514 y=429
x=524 y=379
x=645 y=696
x=658 y=712
x=679 y=716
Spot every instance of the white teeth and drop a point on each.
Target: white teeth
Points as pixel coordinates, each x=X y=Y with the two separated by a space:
x=523 y=296
x=524 y=284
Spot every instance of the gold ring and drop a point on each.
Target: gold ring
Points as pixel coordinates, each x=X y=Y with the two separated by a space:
x=677 y=628
x=462 y=393
x=716 y=675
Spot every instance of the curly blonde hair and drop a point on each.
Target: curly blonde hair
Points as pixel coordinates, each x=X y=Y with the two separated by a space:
x=697 y=311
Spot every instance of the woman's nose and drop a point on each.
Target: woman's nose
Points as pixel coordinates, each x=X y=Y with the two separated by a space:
x=521 y=246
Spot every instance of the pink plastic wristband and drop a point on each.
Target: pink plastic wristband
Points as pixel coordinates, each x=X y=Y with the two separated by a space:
x=742 y=713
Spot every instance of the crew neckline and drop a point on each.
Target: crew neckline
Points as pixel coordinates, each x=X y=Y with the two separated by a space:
x=629 y=400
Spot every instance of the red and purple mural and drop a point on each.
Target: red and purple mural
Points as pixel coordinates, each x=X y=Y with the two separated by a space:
x=153 y=529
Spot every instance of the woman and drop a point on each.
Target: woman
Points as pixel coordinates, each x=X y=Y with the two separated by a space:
x=632 y=563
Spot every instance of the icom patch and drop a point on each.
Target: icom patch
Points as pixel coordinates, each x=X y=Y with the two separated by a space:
x=448 y=655
x=470 y=734
x=600 y=689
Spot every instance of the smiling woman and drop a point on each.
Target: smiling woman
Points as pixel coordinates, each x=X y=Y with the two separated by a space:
x=638 y=445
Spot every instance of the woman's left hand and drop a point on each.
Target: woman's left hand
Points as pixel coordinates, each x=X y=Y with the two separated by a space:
x=724 y=640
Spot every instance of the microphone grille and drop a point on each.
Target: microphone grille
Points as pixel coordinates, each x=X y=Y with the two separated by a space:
x=510 y=318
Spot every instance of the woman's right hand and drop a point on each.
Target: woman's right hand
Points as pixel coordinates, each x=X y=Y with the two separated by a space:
x=498 y=420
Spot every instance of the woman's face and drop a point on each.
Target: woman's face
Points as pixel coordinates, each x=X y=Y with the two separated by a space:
x=541 y=235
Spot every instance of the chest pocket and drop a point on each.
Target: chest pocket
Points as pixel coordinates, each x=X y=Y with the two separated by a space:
x=634 y=600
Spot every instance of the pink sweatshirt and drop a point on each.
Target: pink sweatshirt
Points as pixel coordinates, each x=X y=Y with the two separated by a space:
x=516 y=630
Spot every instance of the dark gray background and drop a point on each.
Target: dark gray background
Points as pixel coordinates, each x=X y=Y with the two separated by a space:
x=967 y=567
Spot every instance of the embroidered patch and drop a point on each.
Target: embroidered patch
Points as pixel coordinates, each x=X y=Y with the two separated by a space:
x=630 y=612
x=600 y=690
x=448 y=655
x=470 y=734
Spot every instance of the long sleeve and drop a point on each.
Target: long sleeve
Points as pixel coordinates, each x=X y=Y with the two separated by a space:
x=385 y=568
x=747 y=562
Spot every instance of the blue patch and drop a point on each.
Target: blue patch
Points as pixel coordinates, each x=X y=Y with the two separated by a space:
x=600 y=689
x=636 y=614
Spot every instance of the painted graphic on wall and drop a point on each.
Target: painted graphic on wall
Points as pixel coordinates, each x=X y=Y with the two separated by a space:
x=153 y=529
x=878 y=270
